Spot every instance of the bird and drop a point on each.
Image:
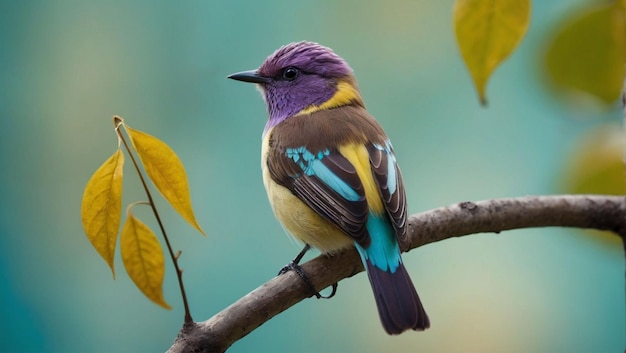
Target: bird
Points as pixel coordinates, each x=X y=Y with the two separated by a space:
x=331 y=174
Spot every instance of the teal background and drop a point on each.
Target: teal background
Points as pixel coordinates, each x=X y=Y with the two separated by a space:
x=66 y=67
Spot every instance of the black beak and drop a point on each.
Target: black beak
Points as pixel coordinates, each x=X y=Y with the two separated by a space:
x=249 y=76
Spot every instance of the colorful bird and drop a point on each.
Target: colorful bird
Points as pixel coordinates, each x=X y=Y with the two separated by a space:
x=331 y=174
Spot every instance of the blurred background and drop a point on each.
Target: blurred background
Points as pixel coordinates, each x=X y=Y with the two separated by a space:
x=66 y=67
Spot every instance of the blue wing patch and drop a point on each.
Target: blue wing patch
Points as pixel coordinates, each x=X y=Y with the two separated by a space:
x=312 y=165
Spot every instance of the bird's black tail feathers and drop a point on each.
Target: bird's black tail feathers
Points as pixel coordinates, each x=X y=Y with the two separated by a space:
x=398 y=304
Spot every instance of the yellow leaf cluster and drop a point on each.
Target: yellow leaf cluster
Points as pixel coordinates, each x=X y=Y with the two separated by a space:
x=487 y=31
x=101 y=207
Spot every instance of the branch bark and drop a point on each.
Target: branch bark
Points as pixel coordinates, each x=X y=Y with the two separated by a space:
x=492 y=216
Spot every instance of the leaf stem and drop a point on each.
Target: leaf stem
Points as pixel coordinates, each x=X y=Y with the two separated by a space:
x=118 y=121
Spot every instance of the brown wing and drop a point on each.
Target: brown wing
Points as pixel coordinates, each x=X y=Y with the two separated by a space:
x=303 y=157
x=326 y=182
x=391 y=186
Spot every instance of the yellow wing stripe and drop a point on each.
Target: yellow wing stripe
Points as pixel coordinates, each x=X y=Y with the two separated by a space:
x=359 y=158
x=346 y=93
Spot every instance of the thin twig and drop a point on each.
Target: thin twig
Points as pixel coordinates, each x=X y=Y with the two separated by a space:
x=118 y=121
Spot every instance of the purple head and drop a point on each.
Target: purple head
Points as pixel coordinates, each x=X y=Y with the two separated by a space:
x=309 y=57
x=297 y=76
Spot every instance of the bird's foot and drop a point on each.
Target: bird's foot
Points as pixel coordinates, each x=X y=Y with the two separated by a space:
x=292 y=266
x=295 y=267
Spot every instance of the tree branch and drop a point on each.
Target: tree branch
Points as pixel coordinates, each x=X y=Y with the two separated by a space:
x=239 y=319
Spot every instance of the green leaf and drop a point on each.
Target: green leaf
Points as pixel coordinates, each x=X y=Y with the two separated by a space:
x=588 y=52
x=487 y=32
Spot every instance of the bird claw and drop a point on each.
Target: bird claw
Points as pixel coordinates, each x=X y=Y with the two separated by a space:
x=332 y=293
x=293 y=266
x=290 y=266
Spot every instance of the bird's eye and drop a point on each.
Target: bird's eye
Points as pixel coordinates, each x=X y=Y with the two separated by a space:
x=290 y=73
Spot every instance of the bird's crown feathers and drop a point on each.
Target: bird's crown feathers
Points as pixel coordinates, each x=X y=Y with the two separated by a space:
x=307 y=56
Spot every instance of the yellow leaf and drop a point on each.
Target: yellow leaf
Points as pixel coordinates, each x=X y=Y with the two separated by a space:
x=166 y=172
x=143 y=259
x=588 y=51
x=597 y=167
x=597 y=164
x=487 y=31
x=101 y=208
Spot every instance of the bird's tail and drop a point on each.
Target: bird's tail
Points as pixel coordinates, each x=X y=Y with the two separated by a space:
x=398 y=304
